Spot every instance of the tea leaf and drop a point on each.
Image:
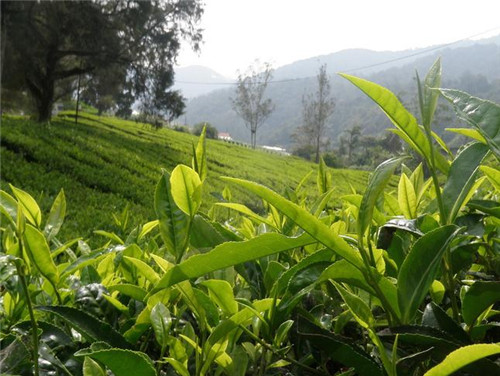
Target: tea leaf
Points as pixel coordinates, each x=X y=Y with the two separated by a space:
x=461 y=179
x=338 y=348
x=472 y=133
x=407 y=126
x=222 y=294
x=462 y=357
x=305 y=220
x=172 y=221
x=407 y=197
x=493 y=175
x=186 y=189
x=245 y=210
x=376 y=184
x=56 y=216
x=483 y=115
x=92 y=368
x=200 y=156
x=358 y=307
x=420 y=267
x=39 y=253
x=30 y=208
x=229 y=254
x=120 y=361
x=479 y=297
x=161 y=323
x=88 y=325
x=427 y=97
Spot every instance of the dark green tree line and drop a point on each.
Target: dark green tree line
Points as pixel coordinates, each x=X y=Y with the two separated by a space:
x=47 y=45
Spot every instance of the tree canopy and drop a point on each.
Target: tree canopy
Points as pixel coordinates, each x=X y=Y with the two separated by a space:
x=250 y=102
x=46 y=45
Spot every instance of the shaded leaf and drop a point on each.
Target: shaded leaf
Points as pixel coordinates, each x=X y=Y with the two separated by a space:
x=420 y=267
x=461 y=179
x=480 y=296
x=483 y=115
x=120 y=361
x=89 y=326
x=338 y=348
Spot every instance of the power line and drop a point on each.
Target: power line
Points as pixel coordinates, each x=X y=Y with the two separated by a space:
x=431 y=49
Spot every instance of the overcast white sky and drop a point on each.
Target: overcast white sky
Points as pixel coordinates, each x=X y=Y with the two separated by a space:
x=236 y=32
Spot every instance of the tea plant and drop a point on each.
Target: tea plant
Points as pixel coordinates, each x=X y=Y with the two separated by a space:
x=401 y=280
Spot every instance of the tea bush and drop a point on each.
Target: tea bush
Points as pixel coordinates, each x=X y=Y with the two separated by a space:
x=401 y=280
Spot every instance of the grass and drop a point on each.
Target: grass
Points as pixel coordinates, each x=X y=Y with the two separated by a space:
x=105 y=163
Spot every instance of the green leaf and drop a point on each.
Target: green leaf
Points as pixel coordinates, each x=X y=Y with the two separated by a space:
x=376 y=184
x=186 y=189
x=483 y=115
x=110 y=235
x=203 y=233
x=427 y=97
x=147 y=228
x=200 y=156
x=324 y=179
x=161 y=323
x=173 y=222
x=305 y=220
x=39 y=253
x=405 y=122
x=461 y=179
x=436 y=317
x=92 y=368
x=407 y=197
x=420 y=267
x=489 y=207
x=8 y=207
x=88 y=325
x=462 y=357
x=283 y=280
x=30 y=208
x=342 y=271
x=358 y=307
x=249 y=213
x=472 y=133
x=230 y=254
x=493 y=175
x=135 y=292
x=479 y=297
x=338 y=349
x=179 y=367
x=121 y=362
x=144 y=269
x=56 y=216
x=221 y=293
x=240 y=318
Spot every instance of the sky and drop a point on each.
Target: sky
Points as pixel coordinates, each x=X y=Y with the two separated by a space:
x=237 y=32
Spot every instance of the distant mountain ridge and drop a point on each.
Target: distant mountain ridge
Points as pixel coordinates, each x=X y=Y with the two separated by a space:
x=473 y=66
x=197 y=80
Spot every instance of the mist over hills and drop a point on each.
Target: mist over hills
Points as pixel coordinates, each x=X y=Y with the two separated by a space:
x=473 y=66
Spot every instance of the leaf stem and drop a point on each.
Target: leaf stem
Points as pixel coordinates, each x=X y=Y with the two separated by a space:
x=34 y=324
x=284 y=357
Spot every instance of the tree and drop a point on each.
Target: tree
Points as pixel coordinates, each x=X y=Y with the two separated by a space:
x=210 y=130
x=350 y=140
x=50 y=43
x=249 y=102
x=316 y=109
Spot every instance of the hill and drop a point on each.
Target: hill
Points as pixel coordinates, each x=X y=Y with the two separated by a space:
x=104 y=164
x=187 y=80
x=470 y=66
